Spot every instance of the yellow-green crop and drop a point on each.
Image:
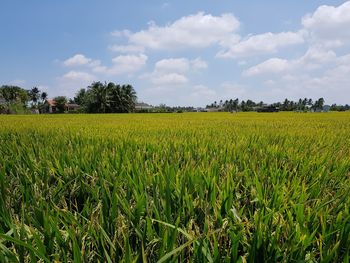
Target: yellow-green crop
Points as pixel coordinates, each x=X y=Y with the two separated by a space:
x=192 y=187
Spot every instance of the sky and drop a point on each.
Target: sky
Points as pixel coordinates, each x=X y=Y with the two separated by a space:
x=180 y=52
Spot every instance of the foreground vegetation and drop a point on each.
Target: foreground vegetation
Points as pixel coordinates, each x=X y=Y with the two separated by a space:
x=192 y=187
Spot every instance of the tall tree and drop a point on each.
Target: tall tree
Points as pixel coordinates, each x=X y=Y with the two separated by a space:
x=320 y=103
x=99 y=90
x=236 y=104
x=130 y=97
x=34 y=95
x=61 y=102
x=80 y=96
x=43 y=97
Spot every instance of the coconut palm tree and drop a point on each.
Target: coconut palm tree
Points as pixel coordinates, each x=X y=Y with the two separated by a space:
x=34 y=95
x=99 y=94
x=43 y=96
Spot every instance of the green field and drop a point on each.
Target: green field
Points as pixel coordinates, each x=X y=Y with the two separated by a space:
x=191 y=187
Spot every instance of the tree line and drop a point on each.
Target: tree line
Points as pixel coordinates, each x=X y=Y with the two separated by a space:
x=305 y=104
x=97 y=98
x=110 y=97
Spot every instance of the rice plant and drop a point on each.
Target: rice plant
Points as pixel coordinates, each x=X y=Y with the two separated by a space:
x=192 y=187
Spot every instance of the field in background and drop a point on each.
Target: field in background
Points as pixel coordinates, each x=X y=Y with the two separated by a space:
x=198 y=187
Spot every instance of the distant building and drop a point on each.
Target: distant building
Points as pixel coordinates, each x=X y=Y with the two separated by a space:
x=215 y=109
x=72 y=107
x=140 y=106
x=50 y=106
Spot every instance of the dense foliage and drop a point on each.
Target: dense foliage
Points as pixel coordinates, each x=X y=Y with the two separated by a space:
x=192 y=187
x=60 y=103
x=15 y=99
x=287 y=105
x=107 y=98
x=19 y=100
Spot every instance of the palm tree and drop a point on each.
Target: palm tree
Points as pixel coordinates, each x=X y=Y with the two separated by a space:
x=34 y=95
x=130 y=97
x=100 y=97
x=320 y=103
x=43 y=96
x=114 y=97
x=309 y=102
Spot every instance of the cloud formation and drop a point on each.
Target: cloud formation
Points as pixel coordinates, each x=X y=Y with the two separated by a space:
x=329 y=25
x=78 y=76
x=174 y=71
x=312 y=61
x=261 y=44
x=123 y=64
x=194 y=31
x=127 y=48
x=77 y=60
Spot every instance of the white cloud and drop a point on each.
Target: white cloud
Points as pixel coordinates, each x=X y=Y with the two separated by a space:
x=198 y=64
x=194 y=31
x=261 y=44
x=173 y=71
x=124 y=64
x=172 y=65
x=204 y=30
x=318 y=55
x=169 y=79
x=80 y=60
x=127 y=48
x=315 y=58
x=179 y=65
x=78 y=76
x=77 y=60
x=329 y=25
x=272 y=65
x=131 y=62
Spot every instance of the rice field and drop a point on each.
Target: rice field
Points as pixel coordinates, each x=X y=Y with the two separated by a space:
x=191 y=187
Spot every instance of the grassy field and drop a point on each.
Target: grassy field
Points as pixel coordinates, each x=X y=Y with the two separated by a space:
x=191 y=187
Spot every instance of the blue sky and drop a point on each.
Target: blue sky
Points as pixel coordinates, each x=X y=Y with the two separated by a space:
x=180 y=52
